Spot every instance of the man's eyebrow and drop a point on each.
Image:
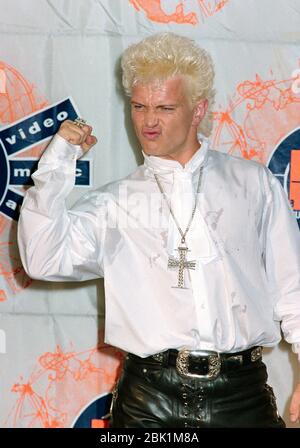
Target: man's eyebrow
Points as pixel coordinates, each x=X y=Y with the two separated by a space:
x=167 y=105
x=158 y=105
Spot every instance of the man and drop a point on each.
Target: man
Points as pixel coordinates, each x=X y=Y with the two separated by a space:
x=199 y=251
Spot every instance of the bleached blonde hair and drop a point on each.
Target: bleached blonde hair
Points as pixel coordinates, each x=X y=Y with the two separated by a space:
x=165 y=55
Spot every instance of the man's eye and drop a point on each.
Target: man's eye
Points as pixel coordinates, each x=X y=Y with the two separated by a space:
x=137 y=106
x=168 y=109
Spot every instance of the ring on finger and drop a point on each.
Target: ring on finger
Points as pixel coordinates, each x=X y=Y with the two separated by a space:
x=80 y=122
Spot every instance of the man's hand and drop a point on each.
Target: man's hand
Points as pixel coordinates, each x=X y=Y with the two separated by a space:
x=295 y=405
x=78 y=135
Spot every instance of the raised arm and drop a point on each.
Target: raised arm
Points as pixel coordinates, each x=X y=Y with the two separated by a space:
x=55 y=243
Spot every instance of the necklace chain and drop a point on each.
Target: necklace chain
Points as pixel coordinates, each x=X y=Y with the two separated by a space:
x=182 y=234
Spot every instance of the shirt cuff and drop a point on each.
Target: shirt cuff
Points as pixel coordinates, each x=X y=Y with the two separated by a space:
x=60 y=149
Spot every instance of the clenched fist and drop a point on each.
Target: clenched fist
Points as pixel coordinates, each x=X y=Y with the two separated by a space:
x=78 y=135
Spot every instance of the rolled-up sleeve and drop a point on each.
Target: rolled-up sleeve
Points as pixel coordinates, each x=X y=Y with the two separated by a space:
x=282 y=259
x=57 y=244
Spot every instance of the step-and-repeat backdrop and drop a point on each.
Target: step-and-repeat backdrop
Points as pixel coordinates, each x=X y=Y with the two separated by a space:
x=60 y=59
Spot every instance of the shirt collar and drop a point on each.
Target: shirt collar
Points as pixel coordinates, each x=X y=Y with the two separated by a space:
x=159 y=164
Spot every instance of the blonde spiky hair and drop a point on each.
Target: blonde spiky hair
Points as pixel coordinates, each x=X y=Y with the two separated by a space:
x=164 y=55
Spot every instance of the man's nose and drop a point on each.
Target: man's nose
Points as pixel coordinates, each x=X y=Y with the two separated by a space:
x=151 y=119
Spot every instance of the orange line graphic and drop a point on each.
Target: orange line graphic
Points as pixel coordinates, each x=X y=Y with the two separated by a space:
x=2 y=81
x=61 y=384
x=155 y=13
x=209 y=8
x=2 y=295
x=269 y=110
x=10 y=264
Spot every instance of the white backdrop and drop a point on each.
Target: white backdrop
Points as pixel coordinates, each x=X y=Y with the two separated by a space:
x=53 y=362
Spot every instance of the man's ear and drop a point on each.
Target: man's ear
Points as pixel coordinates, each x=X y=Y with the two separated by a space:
x=199 y=112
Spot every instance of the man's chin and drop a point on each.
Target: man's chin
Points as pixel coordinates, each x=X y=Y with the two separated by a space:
x=152 y=150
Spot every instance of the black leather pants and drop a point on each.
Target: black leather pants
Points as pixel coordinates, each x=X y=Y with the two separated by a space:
x=149 y=395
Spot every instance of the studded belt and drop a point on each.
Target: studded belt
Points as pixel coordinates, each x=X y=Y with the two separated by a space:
x=203 y=364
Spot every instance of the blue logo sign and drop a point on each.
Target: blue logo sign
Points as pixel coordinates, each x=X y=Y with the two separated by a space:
x=98 y=409
x=22 y=135
x=285 y=165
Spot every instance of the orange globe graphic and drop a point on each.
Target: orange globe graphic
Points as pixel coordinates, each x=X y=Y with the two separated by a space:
x=257 y=117
x=18 y=97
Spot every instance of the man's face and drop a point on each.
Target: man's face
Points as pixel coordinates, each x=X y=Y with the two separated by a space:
x=164 y=122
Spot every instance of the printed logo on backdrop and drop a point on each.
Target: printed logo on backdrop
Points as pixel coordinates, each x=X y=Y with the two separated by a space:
x=21 y=135
x=259 y=114
x=20 y=102
x=285 y=164
x=159 y=10
x=84 y=380
x=96 y=414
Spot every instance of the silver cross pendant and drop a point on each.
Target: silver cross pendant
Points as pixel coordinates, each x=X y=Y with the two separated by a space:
x=181 y=263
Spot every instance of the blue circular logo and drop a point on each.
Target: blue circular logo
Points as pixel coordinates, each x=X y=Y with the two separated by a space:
x=98 y=409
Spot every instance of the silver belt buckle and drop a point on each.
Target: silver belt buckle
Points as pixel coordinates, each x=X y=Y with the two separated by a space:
x=214 y=363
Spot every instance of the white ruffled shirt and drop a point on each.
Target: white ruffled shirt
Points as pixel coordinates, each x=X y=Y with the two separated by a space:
x=244 y=240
